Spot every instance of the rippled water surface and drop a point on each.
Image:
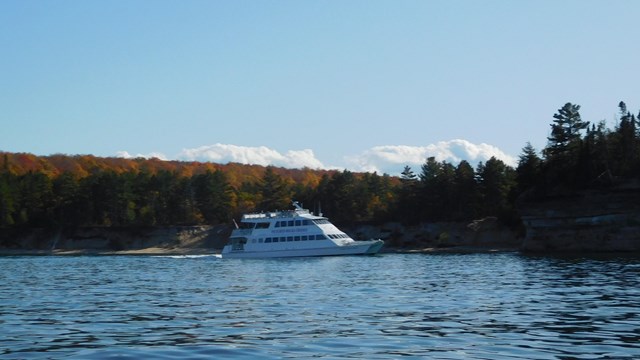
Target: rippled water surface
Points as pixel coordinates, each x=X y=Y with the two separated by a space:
x=443 y=306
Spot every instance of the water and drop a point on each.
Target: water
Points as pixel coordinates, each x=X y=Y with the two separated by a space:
x=443 y=306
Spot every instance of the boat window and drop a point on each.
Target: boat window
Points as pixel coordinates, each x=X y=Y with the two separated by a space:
x=290 y=223
x=306 y=222
x=246 y=225
x=320 y=237
x=289 y=238
x=283 y=239
x=321 y=221
x=296 y=238
x=277 y=223
x=298 y=222
x=262 y=225
x=267 y=240
x=274 y=240
x=304 y=237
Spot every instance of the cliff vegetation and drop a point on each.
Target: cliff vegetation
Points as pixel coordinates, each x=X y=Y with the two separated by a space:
x=584 y=176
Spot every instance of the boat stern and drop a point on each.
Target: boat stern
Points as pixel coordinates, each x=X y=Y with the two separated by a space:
x=375 y=247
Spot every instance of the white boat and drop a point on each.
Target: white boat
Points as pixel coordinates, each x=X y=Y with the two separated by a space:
x=292 y=233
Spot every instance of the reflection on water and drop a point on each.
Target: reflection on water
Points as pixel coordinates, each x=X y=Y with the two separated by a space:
x=477 y=306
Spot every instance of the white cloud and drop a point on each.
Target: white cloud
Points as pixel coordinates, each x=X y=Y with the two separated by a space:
x=389 y=159
x=126 y=155
x=392 y=158
x=261 y=155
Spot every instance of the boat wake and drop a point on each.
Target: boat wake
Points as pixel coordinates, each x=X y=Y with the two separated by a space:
x=218 y=256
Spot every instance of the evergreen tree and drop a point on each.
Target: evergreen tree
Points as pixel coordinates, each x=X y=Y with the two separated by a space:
x=465 y=193
x=340 y=201
x=7 y=201
x=407 y=207
x=626 y=141
x=446 y=192
x=565 y=145
x=66 y=192
x=528 y=170
x=565 y=132
x=275 y=192
x=188 y=211
x=35 y=199
x=429 y=197
x=496 y=181
x=407 y=176
x=213 y=196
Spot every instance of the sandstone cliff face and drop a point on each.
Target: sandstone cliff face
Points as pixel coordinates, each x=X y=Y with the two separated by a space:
x=605 y=220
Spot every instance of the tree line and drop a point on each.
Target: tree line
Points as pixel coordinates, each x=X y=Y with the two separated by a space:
x=60 y=190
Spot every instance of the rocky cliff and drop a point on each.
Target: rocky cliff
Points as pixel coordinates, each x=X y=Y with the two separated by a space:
x=483 y=234
x=596 y=220
x=171 y=239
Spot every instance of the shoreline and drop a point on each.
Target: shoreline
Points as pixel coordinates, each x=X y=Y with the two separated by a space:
x=94 y=252
x=151 y=251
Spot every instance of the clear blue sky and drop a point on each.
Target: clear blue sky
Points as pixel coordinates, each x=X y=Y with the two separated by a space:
x=218 y=78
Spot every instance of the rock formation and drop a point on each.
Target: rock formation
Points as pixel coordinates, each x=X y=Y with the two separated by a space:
x=595 y=220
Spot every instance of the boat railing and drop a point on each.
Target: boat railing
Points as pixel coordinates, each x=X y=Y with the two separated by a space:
x=276 y=214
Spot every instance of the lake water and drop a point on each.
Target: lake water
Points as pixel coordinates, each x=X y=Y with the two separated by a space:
x=436 y=306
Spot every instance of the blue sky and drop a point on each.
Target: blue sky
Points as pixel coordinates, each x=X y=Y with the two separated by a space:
x=366 y=85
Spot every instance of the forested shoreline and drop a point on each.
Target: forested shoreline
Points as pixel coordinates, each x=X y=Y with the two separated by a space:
x=84 y=190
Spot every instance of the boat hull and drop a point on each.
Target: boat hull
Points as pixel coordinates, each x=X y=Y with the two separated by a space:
x=356 y=248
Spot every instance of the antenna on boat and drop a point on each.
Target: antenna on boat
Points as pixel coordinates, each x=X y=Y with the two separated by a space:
x=297 y=205
x=319 y=208
x=235 y=223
